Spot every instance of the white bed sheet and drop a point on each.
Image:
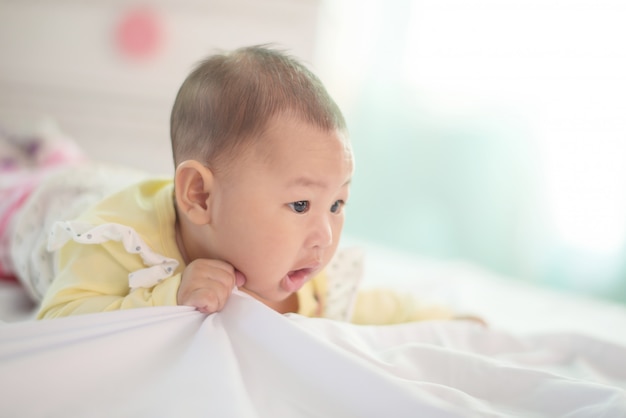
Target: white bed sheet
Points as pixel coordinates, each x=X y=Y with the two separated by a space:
x=249 y=361
x=543 y=354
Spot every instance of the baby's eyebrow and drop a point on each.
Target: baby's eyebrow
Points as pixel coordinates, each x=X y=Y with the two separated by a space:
x=306 y=182
x=310 y=182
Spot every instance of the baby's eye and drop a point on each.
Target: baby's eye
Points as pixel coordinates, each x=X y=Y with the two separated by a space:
x=336 y=207
x=301 y=206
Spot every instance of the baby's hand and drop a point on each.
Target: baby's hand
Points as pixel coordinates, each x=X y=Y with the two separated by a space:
x=207 y=285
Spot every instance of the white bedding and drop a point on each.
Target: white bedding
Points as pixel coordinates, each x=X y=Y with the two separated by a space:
x=544 y=354
x=249 y=361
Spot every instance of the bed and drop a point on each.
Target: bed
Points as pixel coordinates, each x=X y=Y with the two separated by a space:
x=543 y=354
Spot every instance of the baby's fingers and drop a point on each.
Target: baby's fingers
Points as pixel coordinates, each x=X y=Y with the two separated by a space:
x=208 y=299
x=206 y=285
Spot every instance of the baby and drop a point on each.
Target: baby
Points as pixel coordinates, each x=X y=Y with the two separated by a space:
x=263 y=171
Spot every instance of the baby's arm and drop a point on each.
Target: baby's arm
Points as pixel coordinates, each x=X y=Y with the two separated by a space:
x=387 y=306
x=94 y=278
x=207 y=285
x=382 y=306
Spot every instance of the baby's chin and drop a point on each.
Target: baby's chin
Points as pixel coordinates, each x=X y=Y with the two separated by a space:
x=280 y=301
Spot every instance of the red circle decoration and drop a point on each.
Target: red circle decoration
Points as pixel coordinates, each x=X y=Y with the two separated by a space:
x=139 y=33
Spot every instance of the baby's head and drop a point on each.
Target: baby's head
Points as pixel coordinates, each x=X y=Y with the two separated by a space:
x=263 y=168
x=225 y=104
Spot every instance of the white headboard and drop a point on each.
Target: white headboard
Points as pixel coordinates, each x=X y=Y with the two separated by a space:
x=70 y=60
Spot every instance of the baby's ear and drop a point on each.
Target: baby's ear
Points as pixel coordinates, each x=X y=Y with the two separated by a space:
x=192 y=186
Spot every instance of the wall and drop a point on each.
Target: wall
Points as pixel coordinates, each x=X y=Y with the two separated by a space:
x=108 y=71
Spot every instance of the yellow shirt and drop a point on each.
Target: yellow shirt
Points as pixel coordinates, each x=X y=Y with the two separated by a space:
x=95 y=277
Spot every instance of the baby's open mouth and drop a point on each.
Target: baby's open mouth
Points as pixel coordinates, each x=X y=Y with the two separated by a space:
x=295 y=279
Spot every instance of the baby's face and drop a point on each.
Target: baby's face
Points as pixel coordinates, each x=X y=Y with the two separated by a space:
x=279 y=215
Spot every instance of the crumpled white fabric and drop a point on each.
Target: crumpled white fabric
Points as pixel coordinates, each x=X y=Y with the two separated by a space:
x=249 y=361
x=158 y=267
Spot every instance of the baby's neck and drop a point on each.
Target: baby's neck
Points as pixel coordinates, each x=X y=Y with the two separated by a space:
x=289 y=305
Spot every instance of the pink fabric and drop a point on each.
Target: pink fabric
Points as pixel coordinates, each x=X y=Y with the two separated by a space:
x=12 y=200
x=20 y=176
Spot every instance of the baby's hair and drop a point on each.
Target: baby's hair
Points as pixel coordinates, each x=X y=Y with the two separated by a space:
x=230 y=97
